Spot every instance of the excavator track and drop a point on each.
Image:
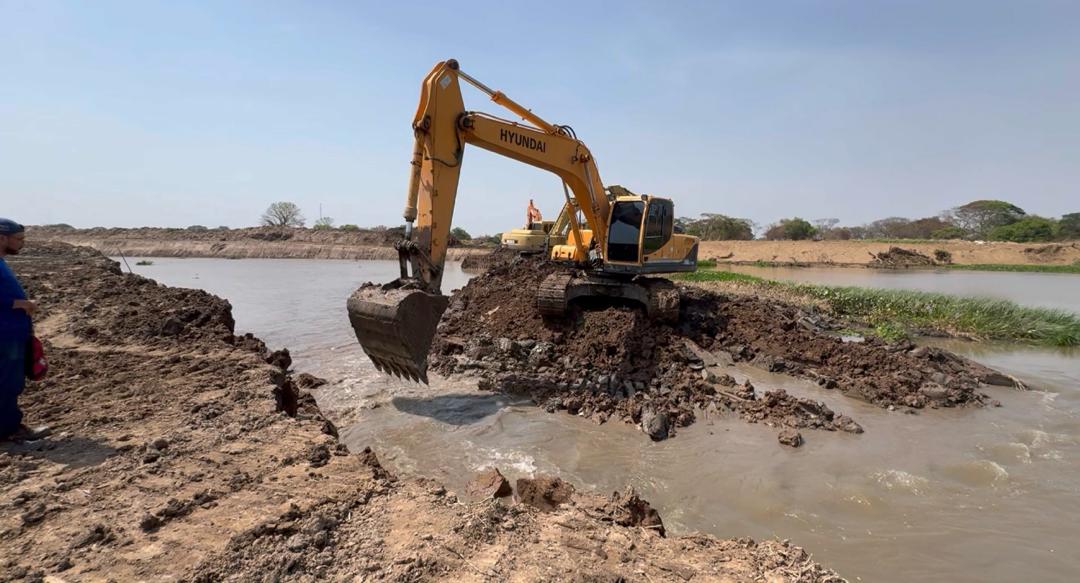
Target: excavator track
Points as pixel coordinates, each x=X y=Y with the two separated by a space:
x=551 y=298
x=659 y=297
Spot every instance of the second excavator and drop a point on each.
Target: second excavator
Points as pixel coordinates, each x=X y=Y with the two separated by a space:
x=629 y=235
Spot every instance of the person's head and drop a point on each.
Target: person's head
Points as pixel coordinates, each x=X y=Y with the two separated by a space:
x=12 y=237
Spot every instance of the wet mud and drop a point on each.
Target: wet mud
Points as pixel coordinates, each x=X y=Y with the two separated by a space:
x=611 y=362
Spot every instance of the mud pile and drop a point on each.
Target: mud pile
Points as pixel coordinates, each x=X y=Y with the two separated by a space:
x=605 y=362
x=186 y=453
x=898 y=257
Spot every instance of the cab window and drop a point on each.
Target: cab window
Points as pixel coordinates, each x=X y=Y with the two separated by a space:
x=625 y=231
x=658 y=225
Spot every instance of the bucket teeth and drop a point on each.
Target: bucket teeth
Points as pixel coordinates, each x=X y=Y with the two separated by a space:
x=396 y=326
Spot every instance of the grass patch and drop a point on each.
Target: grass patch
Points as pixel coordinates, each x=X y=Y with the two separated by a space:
x=1074 y=268
x=895 y=313
x=706 y=263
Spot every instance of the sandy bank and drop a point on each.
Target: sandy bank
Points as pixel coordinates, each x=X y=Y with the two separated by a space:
x=251 y=243
x=861 y=253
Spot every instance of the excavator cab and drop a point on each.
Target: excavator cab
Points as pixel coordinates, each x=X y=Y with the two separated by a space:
x=642 y=238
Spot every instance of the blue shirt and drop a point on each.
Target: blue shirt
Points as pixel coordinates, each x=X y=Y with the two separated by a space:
x=14 y=324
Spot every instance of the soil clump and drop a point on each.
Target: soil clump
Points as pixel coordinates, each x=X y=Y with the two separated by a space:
x=186 y=452
x=606 y=362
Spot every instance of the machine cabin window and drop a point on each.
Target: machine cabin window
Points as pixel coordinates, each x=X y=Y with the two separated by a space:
x=658 y=225
x=625 y=231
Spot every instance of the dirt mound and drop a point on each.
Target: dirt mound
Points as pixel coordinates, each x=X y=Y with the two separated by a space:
x=613 y=361
x=898 y=257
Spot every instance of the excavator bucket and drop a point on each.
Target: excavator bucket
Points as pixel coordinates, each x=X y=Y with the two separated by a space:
x=395 y=325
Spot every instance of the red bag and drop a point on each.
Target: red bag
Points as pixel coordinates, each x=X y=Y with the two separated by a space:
x=36 y=365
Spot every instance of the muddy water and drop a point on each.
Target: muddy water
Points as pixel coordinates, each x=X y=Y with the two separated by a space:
x=990 y=495
x=1048 y=290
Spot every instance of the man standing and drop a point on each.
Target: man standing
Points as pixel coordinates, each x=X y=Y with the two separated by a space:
x=15 y=314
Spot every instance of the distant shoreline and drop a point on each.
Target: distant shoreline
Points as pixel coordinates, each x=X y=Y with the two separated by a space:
x=377 y=244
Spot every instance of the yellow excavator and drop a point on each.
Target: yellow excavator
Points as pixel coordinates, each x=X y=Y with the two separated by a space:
x=629 y=235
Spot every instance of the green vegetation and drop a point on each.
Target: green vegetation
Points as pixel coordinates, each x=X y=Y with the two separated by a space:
x=717 y=227
x=1074 y=268
x=1026 y=230
x=144 y=262
x=349 y=227
x=460 y=234
x=894 y=312
x=706 y=263
x=323 y=224
x=794 y=229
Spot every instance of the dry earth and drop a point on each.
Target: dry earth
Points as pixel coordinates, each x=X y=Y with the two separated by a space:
x=256 y=242
x=181 y=452
x=862 y=253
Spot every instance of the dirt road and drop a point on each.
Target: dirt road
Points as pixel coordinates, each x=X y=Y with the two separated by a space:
x=182 y=452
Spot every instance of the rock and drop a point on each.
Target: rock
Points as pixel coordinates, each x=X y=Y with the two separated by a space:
x=544 y=492
x=790 y=437
x=171 y=327
x=935 y=392
x=160 y=444
x=34 y=515
x=149 y=523
x=489 y=484
x=64 y=564
x=297 y=543
x=655 y=424
x=628 y=509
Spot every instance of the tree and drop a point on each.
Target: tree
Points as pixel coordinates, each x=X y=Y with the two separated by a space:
x=323 y=224
x=460 y=234
x=1069 y=226
x=283 y=214
x=887 y=228
x=979 y=217
x=794 y=229
x=1026 y=230
x=925 y=228
x=717 y=227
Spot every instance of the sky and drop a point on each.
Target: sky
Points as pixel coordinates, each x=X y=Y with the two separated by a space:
x=163 y=113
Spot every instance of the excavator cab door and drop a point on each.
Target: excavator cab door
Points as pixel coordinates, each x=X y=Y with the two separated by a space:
x=624 y=231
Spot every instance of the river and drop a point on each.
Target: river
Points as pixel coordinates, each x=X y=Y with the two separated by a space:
x=950 y=495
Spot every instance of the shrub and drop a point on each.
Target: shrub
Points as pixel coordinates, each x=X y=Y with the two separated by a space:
x=349 y=227
x=1026 y=230
x=460 y=234
x=794 y=229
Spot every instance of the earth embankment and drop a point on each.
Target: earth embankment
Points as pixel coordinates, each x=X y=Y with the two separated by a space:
x=181 y=451
x=865 y=253
x=250 y=243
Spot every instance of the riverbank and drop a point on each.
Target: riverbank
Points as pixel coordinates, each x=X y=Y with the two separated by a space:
x=864 y=253
x=249 y=243
x=894 y=313
x=181 y=451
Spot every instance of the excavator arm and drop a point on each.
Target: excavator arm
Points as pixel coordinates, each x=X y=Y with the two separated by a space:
x=395 y=323
x=443 y=127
